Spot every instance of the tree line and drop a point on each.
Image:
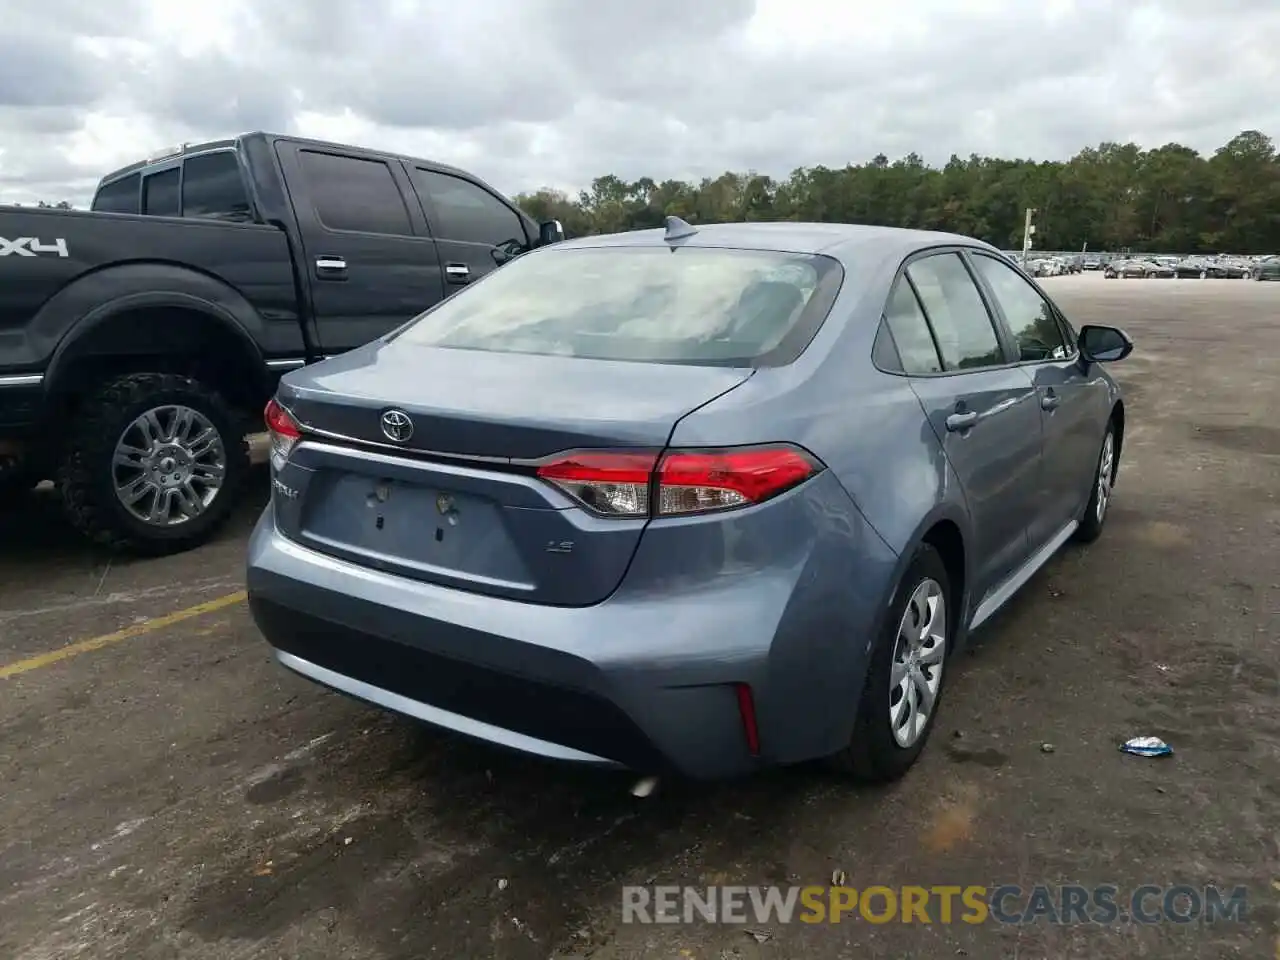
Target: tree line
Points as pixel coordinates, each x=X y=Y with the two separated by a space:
x=1110 y=197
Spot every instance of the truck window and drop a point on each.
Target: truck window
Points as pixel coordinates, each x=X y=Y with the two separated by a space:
x=213 y=188
x=355 y=194
x=119 y=196
x=160 y=194
x=467 y=212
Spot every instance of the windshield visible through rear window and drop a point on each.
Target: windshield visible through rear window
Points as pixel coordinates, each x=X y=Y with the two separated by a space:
x=688 y=305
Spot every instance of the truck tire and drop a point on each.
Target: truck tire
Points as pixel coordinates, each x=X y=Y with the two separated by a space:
x=154 y=464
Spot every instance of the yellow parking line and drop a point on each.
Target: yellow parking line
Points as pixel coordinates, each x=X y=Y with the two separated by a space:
x=128 y=633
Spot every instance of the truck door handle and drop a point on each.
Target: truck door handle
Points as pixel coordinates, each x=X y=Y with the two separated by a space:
x=960 y=422
x=1049 y=401
x=331 y=268
x=457 y=273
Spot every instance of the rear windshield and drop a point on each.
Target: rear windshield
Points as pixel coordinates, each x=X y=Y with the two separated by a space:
x=689 y=305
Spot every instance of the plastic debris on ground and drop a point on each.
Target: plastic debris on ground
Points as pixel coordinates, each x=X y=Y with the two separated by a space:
x=645 y=787
x=1147 y=747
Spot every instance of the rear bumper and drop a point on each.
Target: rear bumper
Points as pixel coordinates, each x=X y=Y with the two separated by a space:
x=420 y=710
x=547 y=709
x=645 y=680
x=502 y=671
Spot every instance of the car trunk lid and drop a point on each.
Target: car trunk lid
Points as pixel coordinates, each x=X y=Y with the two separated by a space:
x=455 y=501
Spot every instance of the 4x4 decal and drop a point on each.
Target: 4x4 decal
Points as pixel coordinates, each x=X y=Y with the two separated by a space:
x=32 y=247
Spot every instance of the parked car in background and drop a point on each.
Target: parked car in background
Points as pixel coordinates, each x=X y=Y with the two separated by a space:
x=1091 y=263
x=137 y=341
x=1197 y=268
x=1048 y=267
x=1230 y=268
x=1159 y=269
x=740 y=497
x=1267 y=269
x=1125 y=269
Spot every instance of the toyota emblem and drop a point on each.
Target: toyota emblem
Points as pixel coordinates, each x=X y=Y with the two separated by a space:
x=397 y=426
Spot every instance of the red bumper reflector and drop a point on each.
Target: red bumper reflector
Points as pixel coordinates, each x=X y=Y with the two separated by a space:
x=747 y=710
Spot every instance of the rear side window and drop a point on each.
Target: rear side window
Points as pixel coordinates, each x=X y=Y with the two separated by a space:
x=910 y=330
x=160 y=193
x=961 y=325
x=212 y=188
x=119 y=196
x=467 y=212
x=351 y=193
x=692 y=305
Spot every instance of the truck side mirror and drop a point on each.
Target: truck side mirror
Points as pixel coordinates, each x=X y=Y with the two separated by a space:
x=550 y=231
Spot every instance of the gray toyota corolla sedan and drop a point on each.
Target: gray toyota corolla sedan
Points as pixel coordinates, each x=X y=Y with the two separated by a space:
x=696 y=500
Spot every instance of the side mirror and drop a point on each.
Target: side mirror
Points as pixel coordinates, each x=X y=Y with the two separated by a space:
x=1100 y=344
x=507 y=251
x=550 y=231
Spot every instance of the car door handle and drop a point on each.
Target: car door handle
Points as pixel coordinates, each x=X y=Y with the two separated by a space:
x=959 y=422
x=457 y=273
x=331 y=268
x=1049 y=401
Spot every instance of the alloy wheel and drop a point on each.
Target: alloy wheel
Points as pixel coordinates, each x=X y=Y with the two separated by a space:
x=169 y=465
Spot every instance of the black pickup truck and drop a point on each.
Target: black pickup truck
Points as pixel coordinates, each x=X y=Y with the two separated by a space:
x=139 y=341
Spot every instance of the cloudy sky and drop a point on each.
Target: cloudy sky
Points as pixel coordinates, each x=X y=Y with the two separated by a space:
x=554 y=92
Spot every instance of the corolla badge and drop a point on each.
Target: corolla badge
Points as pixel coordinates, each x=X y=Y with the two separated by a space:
x=397 y=426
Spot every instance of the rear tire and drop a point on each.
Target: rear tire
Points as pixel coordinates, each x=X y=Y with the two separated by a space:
x=1104 y=476
x=877 y=751
x=154 y=464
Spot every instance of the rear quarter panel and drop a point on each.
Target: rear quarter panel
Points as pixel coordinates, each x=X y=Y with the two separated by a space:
x=244 y=268
x=887 y=482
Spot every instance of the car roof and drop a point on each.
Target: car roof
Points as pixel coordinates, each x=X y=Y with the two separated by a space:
x=187 y=150
x=842 y=241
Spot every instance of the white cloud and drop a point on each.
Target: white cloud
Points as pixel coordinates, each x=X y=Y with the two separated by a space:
x=554 y=92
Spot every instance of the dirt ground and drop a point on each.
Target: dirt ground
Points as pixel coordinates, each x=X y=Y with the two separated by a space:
x=174 y=793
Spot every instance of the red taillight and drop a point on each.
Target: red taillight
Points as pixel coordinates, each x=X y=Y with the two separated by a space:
x=692 y=481
x=614 y=484
x=284 y=430
x=747 y=713
x=280 y=422
x=621 y=484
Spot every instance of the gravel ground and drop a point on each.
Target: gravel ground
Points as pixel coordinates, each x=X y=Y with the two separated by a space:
x=174 y=794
